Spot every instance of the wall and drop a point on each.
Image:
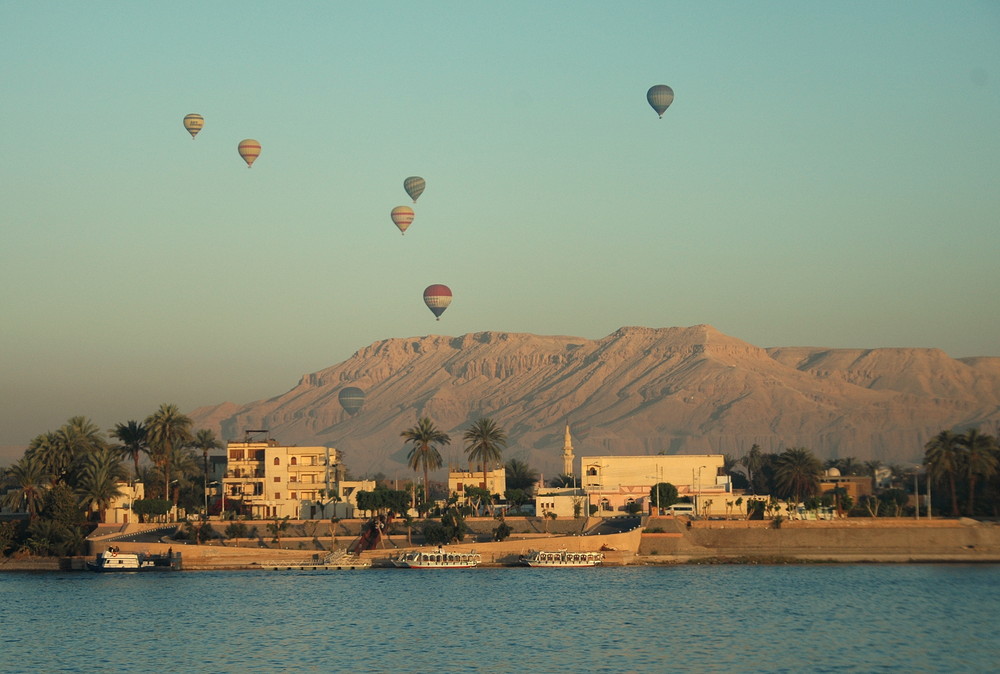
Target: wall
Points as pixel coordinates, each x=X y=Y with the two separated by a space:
x=887 y=539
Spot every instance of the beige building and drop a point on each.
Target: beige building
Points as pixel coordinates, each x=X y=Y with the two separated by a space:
x=564 y=503
x=271 y=480
x=613 y=483
x=458 y=480
x=120 y=509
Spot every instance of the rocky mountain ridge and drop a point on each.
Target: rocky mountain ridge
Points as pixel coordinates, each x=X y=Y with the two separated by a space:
x=636 y=391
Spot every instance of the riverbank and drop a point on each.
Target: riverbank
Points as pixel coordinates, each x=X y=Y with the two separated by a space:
x=665 y=541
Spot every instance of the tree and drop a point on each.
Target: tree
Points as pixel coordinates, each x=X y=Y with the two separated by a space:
x=515 y=498
x=205 y=440
x=980 y=460
x=485 y=442
x=132 y=436
x=29 y=479
x=424 y=436
x=167 y=429
x=150 y=507
x=277 y=528
x=562 y=481
x=872 y=468
x=98 y=479
x=943 y=456
x=662 y=495
x=50 y=452
x=479 y=498
x=752 y=461
x=894 y=499
x=797 y=473
x=520 y=475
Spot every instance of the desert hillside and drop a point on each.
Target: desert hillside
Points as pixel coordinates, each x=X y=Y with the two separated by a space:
x=636 y=391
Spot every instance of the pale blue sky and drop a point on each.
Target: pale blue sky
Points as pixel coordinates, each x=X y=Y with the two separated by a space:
x=828 y=175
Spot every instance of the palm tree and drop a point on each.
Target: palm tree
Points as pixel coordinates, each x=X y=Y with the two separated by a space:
x=944 y=459
x=980 y=460
x=132 y=436
x=424 y=454
x=81 y=436
x=98 y=480
x=485 y=442
x=871 y=468
x=167 y=429
x=520 y=475
x=29 y=478
x=205 y=440
x=797 y=473
x=752 y=461
x=48 y=449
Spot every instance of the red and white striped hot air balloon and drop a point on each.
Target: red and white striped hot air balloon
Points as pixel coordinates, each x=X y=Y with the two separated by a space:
x=193 y=123
x=437 y=297
x=402 y=217
x=249 y=150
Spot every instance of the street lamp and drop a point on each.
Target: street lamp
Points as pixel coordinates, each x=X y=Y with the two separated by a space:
x=169 y=492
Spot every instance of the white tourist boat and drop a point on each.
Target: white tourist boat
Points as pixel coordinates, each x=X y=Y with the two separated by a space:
x=437 y=559
x=563 y=558
x=114 y=559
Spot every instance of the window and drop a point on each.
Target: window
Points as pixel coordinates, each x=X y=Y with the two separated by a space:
x=293 y=495
x=591 y=471
x=292 y=478
x=277 y=461
x=277 y=496
x=277 y=478
x=293 y=461
x=459 y=487
x=236 y=454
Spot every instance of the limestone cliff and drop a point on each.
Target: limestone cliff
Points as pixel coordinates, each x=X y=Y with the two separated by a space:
x=636 y=391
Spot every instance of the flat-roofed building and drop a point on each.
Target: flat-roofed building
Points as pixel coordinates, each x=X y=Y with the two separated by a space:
x=617 y=483
x=273 y=480
x=459 y=479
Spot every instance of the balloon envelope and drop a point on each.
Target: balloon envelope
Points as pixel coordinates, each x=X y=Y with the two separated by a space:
x=437 y=297
x=249 y=150
x=414 y=186
x=402 y=217
x=351 y=399
x=193 y=124
x=660 y=97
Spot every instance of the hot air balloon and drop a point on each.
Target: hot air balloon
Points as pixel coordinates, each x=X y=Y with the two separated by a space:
x=193 y=123
x=414 y=186
x=249 y=150
x=402 y=216
x=351 y=399
x=660 y=97
x=437 y=297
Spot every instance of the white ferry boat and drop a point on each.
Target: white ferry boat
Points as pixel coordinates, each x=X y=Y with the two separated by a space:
x=114 y=559
x=563 y=558
x=437 y=559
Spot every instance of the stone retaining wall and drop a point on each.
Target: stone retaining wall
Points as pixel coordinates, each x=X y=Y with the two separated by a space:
x=860 y=540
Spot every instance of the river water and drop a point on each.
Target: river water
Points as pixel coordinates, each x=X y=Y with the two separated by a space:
x=808 y=618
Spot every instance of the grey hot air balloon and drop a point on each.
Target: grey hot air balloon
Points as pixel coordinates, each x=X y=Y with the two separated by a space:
x=660 y=97
x=351 y=399
x=414 y=186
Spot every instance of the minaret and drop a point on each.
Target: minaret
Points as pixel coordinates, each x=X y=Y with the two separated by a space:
x=568 y=453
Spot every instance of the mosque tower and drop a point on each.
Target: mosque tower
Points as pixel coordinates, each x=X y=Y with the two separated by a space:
x=568 y=453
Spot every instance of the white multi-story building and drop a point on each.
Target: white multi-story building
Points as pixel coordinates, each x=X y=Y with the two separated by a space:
x=272 y=480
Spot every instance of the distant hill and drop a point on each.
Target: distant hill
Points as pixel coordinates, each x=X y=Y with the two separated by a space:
x=636 y=391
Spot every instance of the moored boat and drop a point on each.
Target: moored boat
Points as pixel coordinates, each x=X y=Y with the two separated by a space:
x=562 y=558
x=114 y=559
x=437 y=559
